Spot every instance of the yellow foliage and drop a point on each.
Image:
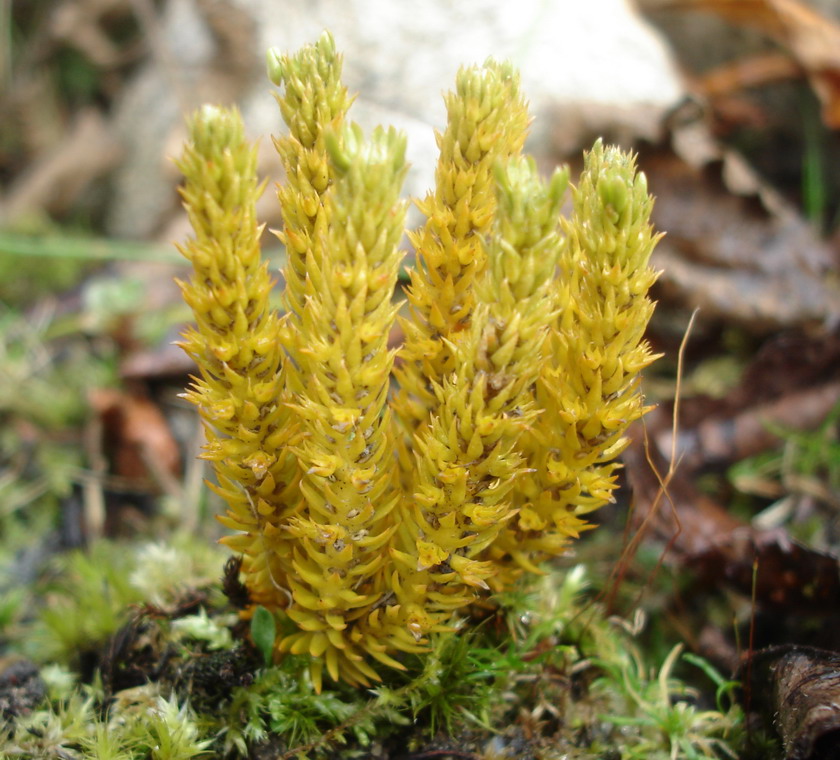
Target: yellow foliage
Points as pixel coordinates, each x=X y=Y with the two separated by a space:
x=373 y=502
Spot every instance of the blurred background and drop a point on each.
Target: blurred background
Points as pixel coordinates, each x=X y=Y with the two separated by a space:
x=734 y=109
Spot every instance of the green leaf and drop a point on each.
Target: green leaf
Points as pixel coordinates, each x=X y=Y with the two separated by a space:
x=263 y=632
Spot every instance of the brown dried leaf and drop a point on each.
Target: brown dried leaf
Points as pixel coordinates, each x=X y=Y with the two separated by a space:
x=702 y=534
x=792 y=383
x=812 y=39
x=690 y=522
x=724 y=438
x=782 y=574
x=734 y=249
x=137 y=437
x=753 y=71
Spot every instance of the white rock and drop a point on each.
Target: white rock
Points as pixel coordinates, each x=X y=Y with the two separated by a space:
x=587 y=68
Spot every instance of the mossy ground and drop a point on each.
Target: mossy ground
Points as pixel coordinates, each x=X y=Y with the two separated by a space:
x=114 y=655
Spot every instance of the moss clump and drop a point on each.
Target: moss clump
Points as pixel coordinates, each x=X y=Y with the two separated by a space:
x=365 y=520
x=548 y=674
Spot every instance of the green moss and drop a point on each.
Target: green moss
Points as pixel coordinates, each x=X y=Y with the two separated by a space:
x=547 y=672
x=87 y=597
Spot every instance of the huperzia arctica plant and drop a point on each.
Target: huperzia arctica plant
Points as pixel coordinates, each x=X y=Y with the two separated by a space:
x=375 y=493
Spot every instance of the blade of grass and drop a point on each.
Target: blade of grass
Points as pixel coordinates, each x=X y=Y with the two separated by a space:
x=92 y=249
